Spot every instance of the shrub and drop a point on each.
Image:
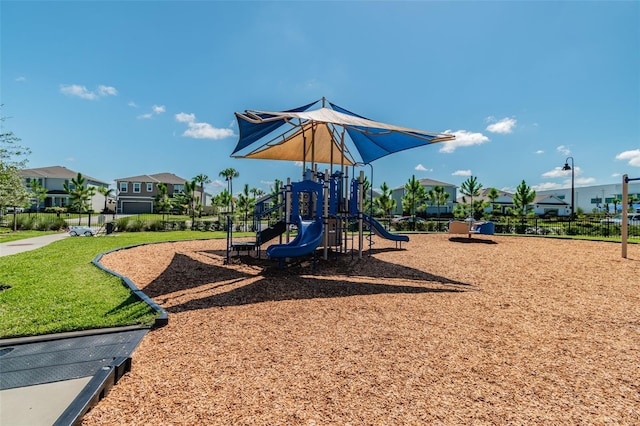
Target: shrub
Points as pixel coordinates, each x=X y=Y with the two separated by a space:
x=122 y=223
x=156 y=225
x=24 y=222
x=135 y=225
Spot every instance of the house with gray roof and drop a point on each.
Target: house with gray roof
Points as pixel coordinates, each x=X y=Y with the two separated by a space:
x=53 y=178
x=136 y=194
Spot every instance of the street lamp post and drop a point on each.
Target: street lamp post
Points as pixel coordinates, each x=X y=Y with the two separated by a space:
x=572 y=168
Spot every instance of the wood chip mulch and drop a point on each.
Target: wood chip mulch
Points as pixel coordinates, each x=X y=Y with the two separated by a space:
x=492 y=330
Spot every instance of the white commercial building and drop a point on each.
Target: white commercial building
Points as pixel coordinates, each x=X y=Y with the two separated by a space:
x=598 y=198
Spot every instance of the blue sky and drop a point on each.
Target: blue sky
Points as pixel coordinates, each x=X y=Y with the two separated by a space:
x=118 y=89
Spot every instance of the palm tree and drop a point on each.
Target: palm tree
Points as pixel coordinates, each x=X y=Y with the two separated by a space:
x=228 y=174
x=162 y=201
x=79 y=194
x=385 y=201
x=223 y=199
x=191 y=199
x=245 y=204
x=471 y=188
x=202 y=179
x=106 y=192
x=256 y=192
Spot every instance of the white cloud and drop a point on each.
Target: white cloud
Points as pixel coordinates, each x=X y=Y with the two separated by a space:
x=461 y=173
x=77 y=90
x=21 y=79
x=558 y=172
x=584 y=181
x=505 y=125
x=539 y=151
x=132 y=104
x=201 y=130
x=298 y=163
x=632 y=156
x=422 y=168
x=107 y=91
x=83 y=93
x=546 y=186
x=563 y=150
x=463 y=138
x=183 y=117
x=159 y=109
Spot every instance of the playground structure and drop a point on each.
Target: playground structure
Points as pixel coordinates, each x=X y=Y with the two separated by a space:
x=327 y=211
x=326 y=207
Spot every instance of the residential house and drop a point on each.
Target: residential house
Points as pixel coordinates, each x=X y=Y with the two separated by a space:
x=54 y=178
x=428 y=184
x=136 y=194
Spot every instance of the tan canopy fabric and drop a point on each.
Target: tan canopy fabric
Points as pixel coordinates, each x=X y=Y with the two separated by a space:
x=318 y=136
x=314 y=139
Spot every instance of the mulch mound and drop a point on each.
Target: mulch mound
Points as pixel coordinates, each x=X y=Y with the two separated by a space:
x=492 y=330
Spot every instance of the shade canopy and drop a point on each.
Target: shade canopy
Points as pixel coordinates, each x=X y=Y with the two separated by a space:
x=318 y=136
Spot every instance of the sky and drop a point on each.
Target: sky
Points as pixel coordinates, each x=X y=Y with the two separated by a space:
x=119 y=89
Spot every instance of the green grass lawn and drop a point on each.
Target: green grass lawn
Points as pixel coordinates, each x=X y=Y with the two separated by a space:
x=56 y=288
x=6 y=235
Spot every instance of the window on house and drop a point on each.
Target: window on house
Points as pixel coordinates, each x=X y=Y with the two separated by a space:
x=178 y=188
x=149 y=187
x=136 y=187
x=123 y=186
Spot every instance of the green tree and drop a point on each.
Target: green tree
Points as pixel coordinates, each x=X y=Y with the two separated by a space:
x=245 y=204
x=80 y=194
x=202 y=179
x=615 y=201
x=191 y=200
x=471 y=188
x=385 y=202
x=437 y=197
x=228 y=174
x=413 y=198
x=13 y=158
x=106 y=193
x=223 y=199
x=38 y=193
x=493 y=195
x=162 y=202
x=522 y=200
x=256 y=192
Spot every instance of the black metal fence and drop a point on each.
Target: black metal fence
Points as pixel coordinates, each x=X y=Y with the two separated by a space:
x=505 y=225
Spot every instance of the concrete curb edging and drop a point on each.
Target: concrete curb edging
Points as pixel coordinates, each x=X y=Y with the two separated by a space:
x=163 y=316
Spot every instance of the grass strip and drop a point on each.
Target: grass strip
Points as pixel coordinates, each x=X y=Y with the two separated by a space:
x=56 y=288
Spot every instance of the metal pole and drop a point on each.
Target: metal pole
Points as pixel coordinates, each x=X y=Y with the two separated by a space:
x=625 y=201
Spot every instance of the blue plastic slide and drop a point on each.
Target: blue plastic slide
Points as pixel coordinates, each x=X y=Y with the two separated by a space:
x=308 y=239
x=379 y=230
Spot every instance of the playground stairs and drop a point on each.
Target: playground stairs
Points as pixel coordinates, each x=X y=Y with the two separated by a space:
x=271 y=232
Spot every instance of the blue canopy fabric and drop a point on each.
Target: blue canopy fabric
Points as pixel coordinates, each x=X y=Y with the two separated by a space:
x=318 y=135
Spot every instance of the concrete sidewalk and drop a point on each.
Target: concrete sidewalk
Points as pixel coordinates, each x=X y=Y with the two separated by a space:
x=56 y=379
x=19 y=246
